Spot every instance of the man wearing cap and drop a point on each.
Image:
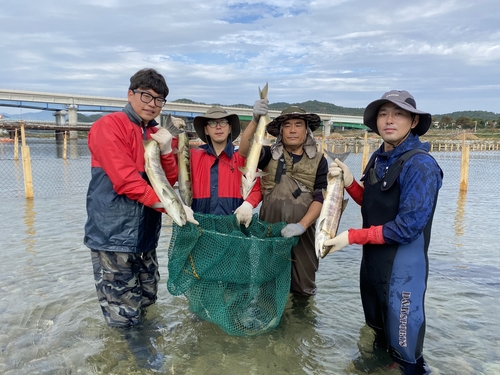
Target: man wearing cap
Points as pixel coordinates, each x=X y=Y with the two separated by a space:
x=401 y=184
x=293 y=186
x=215 y=174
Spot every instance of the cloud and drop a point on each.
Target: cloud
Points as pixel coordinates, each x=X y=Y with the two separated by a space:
x=344 y=52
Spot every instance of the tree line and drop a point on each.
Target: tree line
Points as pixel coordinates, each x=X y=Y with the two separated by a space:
x=458 y=120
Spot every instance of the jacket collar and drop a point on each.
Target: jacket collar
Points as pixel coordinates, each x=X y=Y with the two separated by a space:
x=410 y=143
x=134 y=117
x=228 y=150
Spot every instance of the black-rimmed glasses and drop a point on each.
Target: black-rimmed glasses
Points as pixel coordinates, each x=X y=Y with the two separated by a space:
x=146 y=97
x=213 y=123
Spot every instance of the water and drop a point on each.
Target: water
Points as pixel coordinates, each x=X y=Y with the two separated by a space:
x=51 y=323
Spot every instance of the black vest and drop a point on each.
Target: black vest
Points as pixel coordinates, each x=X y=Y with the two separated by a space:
x=381 y=200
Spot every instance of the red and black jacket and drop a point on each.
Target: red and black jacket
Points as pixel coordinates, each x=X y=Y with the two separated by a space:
x=119 y=195
x=216 y=181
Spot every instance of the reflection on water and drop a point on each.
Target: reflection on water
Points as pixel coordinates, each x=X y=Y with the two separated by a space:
x=51 y=323
x=459 y=215
x=29 y=221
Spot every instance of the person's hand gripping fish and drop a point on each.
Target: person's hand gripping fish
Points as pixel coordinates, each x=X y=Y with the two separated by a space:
x=372 y=235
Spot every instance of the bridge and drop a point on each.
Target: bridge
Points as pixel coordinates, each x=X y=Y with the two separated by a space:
x=70 y=104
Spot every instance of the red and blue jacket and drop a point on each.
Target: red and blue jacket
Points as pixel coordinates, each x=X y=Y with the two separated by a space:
x=119 y=195
x=216 y=181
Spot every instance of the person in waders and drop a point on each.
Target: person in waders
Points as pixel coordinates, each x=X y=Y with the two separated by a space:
x=398 y=197
x=293 y=187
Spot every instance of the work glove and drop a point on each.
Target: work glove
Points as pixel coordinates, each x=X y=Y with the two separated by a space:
x=259 y=109
x=337 y=167
x=158 y=206
x=164 y=139
x=295 y=229
x=373 y=235
x=190 y=215
x=178 y=122
x=244 y=213
x=337 y=243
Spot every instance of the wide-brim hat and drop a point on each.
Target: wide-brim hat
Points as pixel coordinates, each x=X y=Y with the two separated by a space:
x=313 y=121
x=404 y=100
x=214 y=113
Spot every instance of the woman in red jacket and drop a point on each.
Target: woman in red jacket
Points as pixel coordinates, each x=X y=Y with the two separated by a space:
x=215 y=174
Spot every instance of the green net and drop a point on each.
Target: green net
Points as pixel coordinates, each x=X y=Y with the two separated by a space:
x=235 y=277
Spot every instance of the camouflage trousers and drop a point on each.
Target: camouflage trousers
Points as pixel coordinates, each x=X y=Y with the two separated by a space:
x=126 y=283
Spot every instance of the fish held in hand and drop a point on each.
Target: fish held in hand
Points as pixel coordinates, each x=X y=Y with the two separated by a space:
x=160 y=184
x=184 y=175
x=331 y=212
x=249 y=171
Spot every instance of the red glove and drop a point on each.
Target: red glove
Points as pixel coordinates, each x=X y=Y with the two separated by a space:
x=355 y=190
x=372 y=235
x=150 y=199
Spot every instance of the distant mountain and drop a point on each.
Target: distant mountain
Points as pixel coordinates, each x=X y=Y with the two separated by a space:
x=482 y=115
x=310 y=106
x=37 y=116
x=313 y=106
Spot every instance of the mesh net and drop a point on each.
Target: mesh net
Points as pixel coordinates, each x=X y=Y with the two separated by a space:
x=235 y=277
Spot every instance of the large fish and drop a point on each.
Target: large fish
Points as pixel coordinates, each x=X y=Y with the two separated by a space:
x=250 y=173
x=160 y=184
x=168 y=122
x=184 y=176
x=333 y=206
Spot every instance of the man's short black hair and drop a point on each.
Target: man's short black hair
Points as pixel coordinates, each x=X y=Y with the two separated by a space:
x=149 y=79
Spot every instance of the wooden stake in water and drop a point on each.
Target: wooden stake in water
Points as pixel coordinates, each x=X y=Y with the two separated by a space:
x=366 y=151
x=25 y=154
x=464 y=167
x=65 y=145
x=16 y=143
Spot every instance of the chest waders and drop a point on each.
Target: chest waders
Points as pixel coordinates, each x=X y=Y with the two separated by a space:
x=393 y=277
x=288 y=200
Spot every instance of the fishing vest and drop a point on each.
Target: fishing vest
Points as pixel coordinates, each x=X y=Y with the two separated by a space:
x=303 y=171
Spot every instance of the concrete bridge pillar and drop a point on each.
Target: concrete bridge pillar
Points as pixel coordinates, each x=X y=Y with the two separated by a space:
x=60 y=121
x=326 y=127
x=73 y=120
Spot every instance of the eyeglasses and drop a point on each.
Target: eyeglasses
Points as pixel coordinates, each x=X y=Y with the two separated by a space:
x=146 y=97
x=213 y=123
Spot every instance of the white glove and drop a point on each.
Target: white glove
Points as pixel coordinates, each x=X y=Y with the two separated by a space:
x=178 y=122
x=190 y=214
x=337 y=243
x=260 y=109
x=337 y=167
x=244 y=213
x=164 y=139
x=295 y=229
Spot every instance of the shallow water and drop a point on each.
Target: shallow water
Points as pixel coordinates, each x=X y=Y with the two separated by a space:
x=51 y=322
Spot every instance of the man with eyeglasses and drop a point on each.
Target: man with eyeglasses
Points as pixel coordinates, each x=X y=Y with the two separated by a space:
x=216 y=178
x=124 y=212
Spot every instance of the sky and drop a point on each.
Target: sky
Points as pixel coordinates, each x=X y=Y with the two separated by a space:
x=346 y=52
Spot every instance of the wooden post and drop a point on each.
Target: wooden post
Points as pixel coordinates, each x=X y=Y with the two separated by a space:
x=366 y=151
x=464 y=167
x=65 y=145
x=16 y=143
x=25 y=153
